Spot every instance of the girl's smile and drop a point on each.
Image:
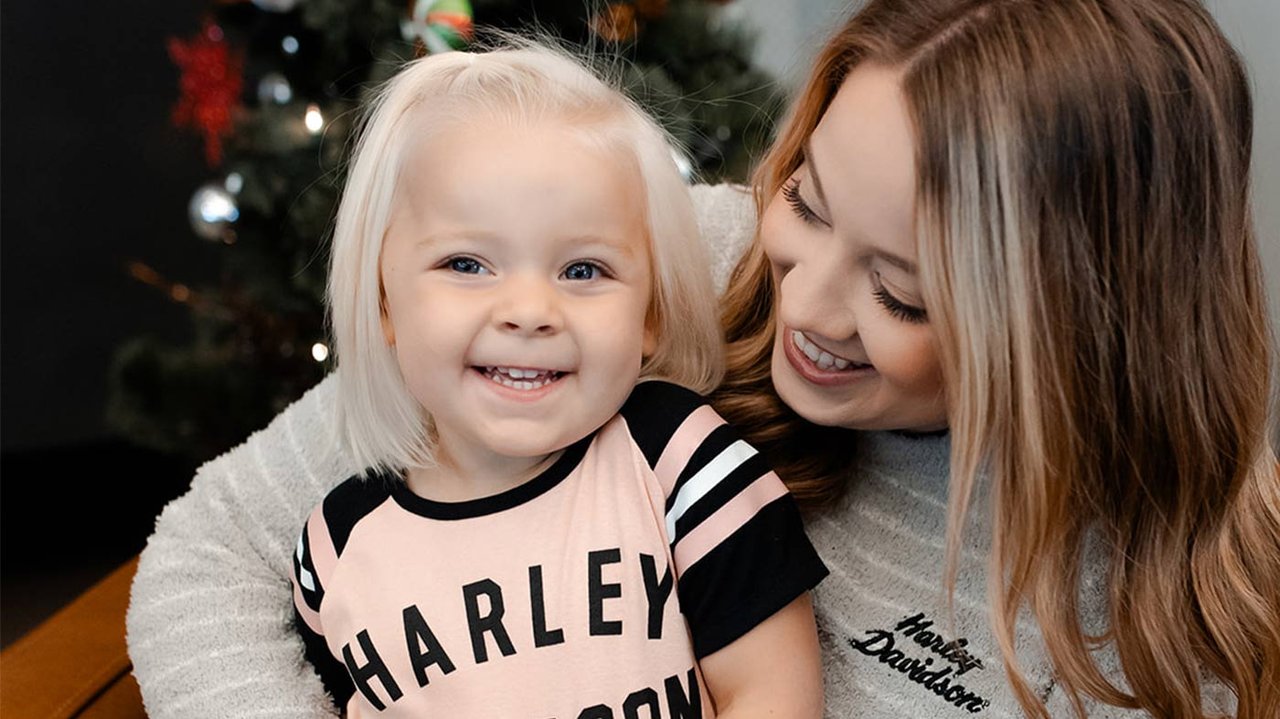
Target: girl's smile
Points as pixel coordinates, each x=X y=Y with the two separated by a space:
x=521 y=379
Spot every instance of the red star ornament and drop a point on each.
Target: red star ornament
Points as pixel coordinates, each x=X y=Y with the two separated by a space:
x=211 y=82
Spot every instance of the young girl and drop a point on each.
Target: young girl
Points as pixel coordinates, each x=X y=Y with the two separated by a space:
x=536 y=534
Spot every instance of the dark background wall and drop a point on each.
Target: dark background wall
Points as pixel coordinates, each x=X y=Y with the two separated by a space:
x=92 y=175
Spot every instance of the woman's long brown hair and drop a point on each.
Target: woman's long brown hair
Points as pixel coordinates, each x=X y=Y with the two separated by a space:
x=1087 y=252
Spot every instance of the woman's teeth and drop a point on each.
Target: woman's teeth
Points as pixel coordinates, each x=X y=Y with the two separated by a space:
x=518 y=378
x=823 y=359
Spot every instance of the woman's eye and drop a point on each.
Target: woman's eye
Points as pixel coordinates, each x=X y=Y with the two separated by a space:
x=791 y=193
x=465 y=265
x=583 y=271
x=897 y=308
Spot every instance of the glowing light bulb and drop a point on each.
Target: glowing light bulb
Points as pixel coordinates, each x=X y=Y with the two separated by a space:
x=314 y=120
x=289 y=44
x=319 y=352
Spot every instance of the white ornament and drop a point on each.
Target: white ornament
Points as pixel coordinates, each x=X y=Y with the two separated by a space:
x=213 y=211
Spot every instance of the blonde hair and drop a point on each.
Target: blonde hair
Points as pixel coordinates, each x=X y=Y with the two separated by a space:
x=525 y=82
x=1090 y=268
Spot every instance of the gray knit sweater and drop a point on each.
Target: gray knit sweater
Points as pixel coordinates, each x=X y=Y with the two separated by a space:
x=209 y=624
x=889 y=647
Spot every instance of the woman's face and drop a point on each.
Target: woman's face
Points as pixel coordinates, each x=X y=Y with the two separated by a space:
x=854 y=347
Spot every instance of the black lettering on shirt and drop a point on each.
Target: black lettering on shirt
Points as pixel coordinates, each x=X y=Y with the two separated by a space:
x=679 y=704
x=646 y=697
x=598 y=591
x=424 y=648
x=542 y=637
x=491 y=622
x=374 y=666
x=881 y=645
x=656 y=591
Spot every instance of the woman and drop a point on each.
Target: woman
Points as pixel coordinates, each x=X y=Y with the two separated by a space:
x=1029 y=222
x=1024 y=223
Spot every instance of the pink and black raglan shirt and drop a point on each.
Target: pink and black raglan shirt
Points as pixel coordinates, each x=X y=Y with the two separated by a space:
x=588 y=592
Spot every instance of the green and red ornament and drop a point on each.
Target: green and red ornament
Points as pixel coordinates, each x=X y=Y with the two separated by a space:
x=436 y=26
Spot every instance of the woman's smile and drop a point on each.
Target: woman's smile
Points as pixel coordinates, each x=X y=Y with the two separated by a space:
x=820 y=366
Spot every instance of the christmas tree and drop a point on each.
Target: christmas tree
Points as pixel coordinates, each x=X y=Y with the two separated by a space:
x=273 y=87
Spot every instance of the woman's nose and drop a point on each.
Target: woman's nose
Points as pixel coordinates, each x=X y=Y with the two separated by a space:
x=816 y=296
x=528 y=306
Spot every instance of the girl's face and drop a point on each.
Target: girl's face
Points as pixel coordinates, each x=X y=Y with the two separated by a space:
x=854 y=347
x=517 y=279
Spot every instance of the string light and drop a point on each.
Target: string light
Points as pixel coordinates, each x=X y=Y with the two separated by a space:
x=176 y=291
x=319 y=352
x=289 y=44
x=314 y=120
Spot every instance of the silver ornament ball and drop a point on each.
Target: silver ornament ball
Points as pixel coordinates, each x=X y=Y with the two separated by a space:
x=213 y=211
x=274 y=88
x=276 y=5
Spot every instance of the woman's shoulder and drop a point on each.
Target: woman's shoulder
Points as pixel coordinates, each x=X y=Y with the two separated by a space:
x=727 y=221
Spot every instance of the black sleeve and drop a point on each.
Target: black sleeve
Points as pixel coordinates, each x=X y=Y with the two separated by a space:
x=765 y=562
x=333 y=673
x=758 y=570
x=343 y=508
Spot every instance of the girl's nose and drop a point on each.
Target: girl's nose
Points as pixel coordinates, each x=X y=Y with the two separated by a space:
x=528 y=306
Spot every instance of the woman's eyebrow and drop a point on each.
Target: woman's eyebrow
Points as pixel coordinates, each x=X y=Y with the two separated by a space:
x=813 y=172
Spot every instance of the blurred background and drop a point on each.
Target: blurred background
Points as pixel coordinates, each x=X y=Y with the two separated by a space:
x=169 y=172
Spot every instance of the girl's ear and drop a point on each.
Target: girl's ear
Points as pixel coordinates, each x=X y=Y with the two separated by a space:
x=388 y=329
x=650 y=344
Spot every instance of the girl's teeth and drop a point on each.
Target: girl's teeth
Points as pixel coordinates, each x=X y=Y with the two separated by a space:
x=523 y=379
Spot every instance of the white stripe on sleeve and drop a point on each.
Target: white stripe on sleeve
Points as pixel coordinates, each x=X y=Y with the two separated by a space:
x=304 y=575
x=705 y=480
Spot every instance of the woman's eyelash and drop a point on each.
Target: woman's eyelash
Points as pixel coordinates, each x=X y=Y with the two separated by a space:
x=791 y=193
x=897 y=308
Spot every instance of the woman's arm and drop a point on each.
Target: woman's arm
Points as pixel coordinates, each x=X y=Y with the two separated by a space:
x=774 y=670
x=209 y=621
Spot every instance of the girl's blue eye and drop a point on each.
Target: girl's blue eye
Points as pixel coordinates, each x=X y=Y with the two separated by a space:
x=465 y=265
x=582 y=271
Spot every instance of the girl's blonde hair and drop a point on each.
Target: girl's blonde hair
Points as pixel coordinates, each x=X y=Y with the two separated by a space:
x=1086 y=246
x=523 y=83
